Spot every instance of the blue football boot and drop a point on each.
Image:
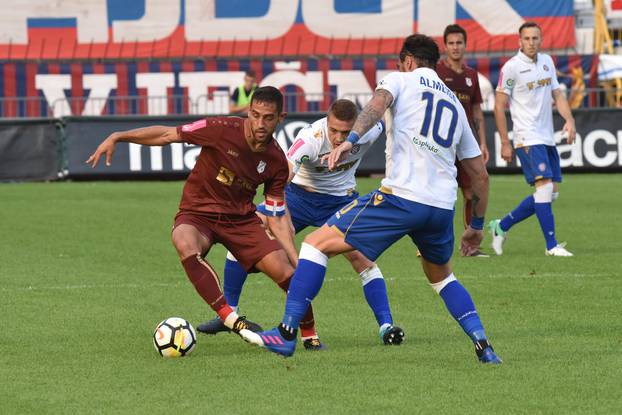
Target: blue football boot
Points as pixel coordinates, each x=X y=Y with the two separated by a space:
x=271 y=340
x=486 y=353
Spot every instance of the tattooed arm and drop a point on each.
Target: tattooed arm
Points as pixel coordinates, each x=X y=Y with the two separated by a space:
x=371 y=114
x=373 y=111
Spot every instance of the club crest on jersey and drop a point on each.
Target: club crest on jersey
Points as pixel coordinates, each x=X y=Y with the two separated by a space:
x=261 y=167
x=468 y=82
x=546 y=68
x=355 y=149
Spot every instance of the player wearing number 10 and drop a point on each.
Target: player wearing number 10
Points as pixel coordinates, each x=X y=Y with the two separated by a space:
x=426 y=129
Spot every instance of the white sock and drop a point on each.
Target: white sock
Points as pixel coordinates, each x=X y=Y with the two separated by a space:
x=311 y=253
x=370 y=273
x=438 y=286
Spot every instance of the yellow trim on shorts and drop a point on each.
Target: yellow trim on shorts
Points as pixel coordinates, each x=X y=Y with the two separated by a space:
x=386 y=190
x=336 y=229
x=357 y=215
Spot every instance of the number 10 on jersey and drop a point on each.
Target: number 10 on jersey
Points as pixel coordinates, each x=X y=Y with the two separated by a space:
x=438 y=116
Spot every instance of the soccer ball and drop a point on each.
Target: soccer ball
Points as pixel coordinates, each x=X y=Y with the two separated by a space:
x=174 y=337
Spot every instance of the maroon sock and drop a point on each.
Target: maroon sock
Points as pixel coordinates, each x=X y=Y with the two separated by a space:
x=205 y=281
x=307 y=324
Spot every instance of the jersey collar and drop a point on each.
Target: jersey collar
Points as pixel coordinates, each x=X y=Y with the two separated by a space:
x=526 y=58
x=446 y=63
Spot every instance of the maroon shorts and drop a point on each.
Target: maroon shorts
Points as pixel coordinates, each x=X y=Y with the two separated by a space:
x=246 y=237
x=464 y=181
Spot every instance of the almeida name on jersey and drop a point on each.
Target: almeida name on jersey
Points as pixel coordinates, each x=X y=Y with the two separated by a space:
x=427 y=129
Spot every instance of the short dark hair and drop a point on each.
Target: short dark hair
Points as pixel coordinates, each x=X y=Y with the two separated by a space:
x=343 y=109
x=527 y=25
x=270 y=95
x=251 y=73
x=422 y=48
x=454 y=28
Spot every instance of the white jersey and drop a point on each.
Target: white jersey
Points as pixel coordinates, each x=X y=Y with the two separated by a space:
x=428 y=128
x=529 y=85
x=311 y=144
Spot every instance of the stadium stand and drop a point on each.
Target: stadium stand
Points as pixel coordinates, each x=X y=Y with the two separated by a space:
x=156 y=58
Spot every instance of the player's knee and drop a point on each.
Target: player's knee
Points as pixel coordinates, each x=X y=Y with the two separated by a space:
x=467 y=193
x=327 y=241
x=184 y=246
x=358 y=261
x=313 y=240
x=544 y=193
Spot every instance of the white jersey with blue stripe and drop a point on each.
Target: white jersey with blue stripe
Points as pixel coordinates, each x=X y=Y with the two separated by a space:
x=426 y=129
x=311 y=144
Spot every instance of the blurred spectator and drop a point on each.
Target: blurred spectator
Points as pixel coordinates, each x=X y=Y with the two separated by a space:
x=241 y=97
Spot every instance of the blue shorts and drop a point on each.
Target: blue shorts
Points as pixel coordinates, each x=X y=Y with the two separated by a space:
x=540 y=162
x=374 y=222
x=310 y=208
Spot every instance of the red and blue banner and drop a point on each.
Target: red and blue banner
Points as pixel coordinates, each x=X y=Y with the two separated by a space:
x=29 y=89
x=122 y=29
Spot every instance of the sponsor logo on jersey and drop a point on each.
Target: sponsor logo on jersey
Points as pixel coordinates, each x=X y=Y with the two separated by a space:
x=261 y=166
x=425 y=145
x=525 y=71
x=539 y=83
x=228 y=178
x=468 y=82
x=232 y=153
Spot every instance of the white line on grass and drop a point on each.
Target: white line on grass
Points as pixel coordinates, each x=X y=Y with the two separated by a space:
x=266 y=281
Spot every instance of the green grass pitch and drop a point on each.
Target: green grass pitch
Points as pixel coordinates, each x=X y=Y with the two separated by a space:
x=87 y=270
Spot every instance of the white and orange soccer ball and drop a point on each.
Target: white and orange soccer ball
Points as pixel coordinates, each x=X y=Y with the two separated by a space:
x=174 y=337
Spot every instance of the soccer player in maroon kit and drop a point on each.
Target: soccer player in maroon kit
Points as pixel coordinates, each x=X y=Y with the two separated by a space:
x=237 y=155
x=462 y=80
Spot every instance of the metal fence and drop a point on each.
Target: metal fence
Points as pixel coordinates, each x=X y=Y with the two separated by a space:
x=217 y=103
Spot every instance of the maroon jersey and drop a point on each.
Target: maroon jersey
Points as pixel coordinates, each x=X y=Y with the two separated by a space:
x=227 y=172
x=465 y=85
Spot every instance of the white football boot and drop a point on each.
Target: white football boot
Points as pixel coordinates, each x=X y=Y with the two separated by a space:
x=558 y=250
x=498 y=236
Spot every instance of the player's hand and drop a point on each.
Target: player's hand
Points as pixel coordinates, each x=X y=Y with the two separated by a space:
x=471 y=241
x=485 y=155
x=570 y=131
x=334 y=156
x=506 y=151
x=105 y=148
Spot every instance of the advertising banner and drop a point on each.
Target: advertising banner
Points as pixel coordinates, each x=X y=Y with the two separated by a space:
x=29 y=150
x=598 y=146
x=117 y=29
